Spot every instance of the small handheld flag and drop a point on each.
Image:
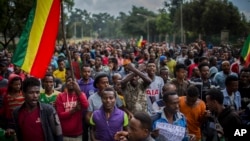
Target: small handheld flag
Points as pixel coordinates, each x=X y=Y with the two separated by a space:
x=245 y=53
x=139 y=42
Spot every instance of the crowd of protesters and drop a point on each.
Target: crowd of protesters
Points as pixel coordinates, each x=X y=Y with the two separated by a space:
x=121 y=91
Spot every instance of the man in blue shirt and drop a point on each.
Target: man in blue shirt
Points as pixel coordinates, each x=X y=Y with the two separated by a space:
x=172 y=124
x=231 y=94
x=220 y=77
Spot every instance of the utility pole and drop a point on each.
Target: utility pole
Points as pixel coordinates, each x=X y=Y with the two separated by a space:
x=75 y=29
x=182 y=41
x=82 y=31
x=147 y=29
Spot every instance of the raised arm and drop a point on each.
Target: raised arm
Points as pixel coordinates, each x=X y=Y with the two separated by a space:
x=139 y=72
x=127 y=78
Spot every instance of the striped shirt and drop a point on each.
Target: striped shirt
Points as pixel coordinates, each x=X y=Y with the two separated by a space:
x=11 y=102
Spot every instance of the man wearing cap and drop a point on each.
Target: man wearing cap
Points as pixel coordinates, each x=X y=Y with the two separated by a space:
x=162 y=63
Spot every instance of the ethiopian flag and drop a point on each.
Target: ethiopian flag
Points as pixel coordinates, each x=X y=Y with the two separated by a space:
x=245 y=52
x=139 y=42
x=37 y=42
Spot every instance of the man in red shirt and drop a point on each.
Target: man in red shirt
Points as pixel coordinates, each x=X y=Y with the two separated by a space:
x=76 y=64
x=69 y=106
x=192 y=66
x=35 y=120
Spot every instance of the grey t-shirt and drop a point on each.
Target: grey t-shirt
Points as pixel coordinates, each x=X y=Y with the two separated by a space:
x=95 y=102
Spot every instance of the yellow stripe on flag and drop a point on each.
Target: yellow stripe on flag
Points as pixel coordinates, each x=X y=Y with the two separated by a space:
x=41 y=15
x=248 y=52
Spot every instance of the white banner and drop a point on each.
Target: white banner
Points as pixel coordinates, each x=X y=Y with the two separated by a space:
x=171 y=132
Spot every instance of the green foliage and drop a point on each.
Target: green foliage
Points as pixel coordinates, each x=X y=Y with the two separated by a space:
x=163 y=23
x=69 y=4
x=12 y=19
x=210 y=17
x=206 y=17
x=81 y=24
x=135 y=23
x=14 y=14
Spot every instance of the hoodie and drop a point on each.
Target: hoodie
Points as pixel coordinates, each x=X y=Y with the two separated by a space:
x=71 y=122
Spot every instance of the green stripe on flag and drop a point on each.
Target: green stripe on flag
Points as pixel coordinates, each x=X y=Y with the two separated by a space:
x=20 y=51
x=245 y=49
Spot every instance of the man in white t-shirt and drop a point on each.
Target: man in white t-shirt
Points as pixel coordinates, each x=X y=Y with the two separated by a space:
x=154 y=90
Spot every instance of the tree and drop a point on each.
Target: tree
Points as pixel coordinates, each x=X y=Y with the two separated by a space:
x=76 y=23
x=13 y=15
x=221 y=15
x=163 y=23
x=136 y=22
x=120 y=20
x=210 y=17
x=103 y=24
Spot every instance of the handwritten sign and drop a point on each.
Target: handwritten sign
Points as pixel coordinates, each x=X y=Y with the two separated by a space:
x=171 y=132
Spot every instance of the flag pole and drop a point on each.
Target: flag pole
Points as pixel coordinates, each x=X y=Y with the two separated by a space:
x=64 y=40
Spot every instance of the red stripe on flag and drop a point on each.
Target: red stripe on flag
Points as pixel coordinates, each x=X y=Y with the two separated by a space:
x=247 y=61
x=47 y=43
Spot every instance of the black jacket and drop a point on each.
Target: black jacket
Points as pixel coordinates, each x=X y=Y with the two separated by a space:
x=230 y=121
x=50 y=123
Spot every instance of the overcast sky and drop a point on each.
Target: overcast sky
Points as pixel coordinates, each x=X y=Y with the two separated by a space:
x=113 y=7
x=243 y=6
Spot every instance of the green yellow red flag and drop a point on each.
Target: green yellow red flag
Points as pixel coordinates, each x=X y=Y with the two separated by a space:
x=245 y=52
x=139 y=42
x=37 y=42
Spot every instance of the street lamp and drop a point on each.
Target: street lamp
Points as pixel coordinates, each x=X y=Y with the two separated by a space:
x=147 y=24
x=90 y=24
